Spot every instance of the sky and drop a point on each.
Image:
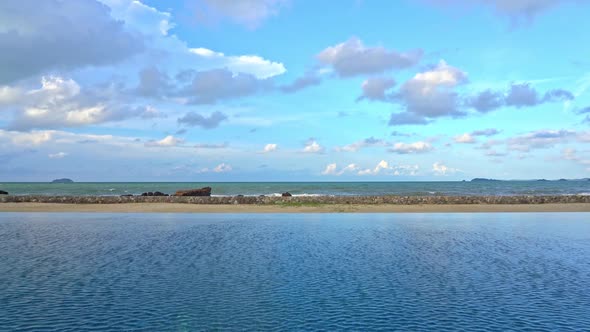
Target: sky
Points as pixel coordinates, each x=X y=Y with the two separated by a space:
x=294 y=90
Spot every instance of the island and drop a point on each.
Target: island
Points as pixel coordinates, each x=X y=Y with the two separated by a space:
x=484 y=180
x=64 y=180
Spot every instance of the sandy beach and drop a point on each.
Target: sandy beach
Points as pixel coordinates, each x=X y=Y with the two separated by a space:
x=318 y=208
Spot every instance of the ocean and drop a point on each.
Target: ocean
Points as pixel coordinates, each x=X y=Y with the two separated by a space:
x=579 y=187
x=303 y=272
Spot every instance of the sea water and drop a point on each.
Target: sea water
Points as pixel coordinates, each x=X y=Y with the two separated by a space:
x=420 y=188
x=183 y=272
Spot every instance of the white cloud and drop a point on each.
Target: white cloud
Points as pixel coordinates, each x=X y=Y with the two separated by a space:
x=440 y=169
x=429 y=94
x=376 y=88
x=330 y=169
x=250 y=64
x=25 y=139
x=270 y=148
x=58 y=155
x=61 y=102
x=222 y=168
x=311 y=146
x=411 y=148
x=168 y=141
x=382 y=168
x=465 y=139
x=49 y=35
x=352 y=58
x=143 y=18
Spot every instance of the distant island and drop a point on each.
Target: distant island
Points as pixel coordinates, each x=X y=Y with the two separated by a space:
x=64 y=180
x=484 y=180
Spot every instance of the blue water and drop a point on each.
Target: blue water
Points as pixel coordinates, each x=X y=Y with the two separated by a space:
x=422 y=188
x=407 y=272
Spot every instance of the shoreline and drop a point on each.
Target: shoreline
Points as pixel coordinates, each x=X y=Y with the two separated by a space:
x=324 y=208
x=315 y=204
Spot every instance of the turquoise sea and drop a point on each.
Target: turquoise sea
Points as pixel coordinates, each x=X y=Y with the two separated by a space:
x=580 y=187
x=296 y=272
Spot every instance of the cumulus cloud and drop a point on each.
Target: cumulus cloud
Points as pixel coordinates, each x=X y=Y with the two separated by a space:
x=270 y=147
x=470 y=138
x=385 y=168
x=382 y=165
x=153 y=83
x=485 y=132
x=376 y=88
x=168 y=141
x=307 y=80
x=382 y=168
x=61 y=102
x=411 y=148
x=367 y=142
x=465 y=139
x=57 y=155
x=250 y=64
x=332 y=169
x=211 y=86
x=352 y=58
x=41 y=36
x=540 y=139
x=440 y=169
x=249 y=13
x=429 y=94
x=518 y=95
x=222 y=168
x=311 y=146
x=193 y=119
x=486 y=101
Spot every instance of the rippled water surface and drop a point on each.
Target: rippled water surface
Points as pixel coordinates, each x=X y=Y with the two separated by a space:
x=410 y=272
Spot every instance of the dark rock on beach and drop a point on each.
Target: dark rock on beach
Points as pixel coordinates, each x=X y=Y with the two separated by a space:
x=287 y=194
x=127 y=195
x=2 y=192
x=155 y=193
x=206 y=191
x=64 y=180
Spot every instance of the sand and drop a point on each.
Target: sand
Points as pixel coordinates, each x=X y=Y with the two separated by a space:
x=252 y=208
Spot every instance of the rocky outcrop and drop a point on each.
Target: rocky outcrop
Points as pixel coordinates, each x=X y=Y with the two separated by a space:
x=2 y=192
x=206 y=191
x=155 y=193
x=287 y=194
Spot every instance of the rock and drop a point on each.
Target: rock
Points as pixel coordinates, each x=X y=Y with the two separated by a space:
x=240 y=196
x=127 y=195
x=206 y=191
x=287 y=194
x=64 y=180
x=148 y=194
x=2 y=192
x=158 y=193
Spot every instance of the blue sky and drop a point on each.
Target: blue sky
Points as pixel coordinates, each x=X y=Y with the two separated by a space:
x=288 y=90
